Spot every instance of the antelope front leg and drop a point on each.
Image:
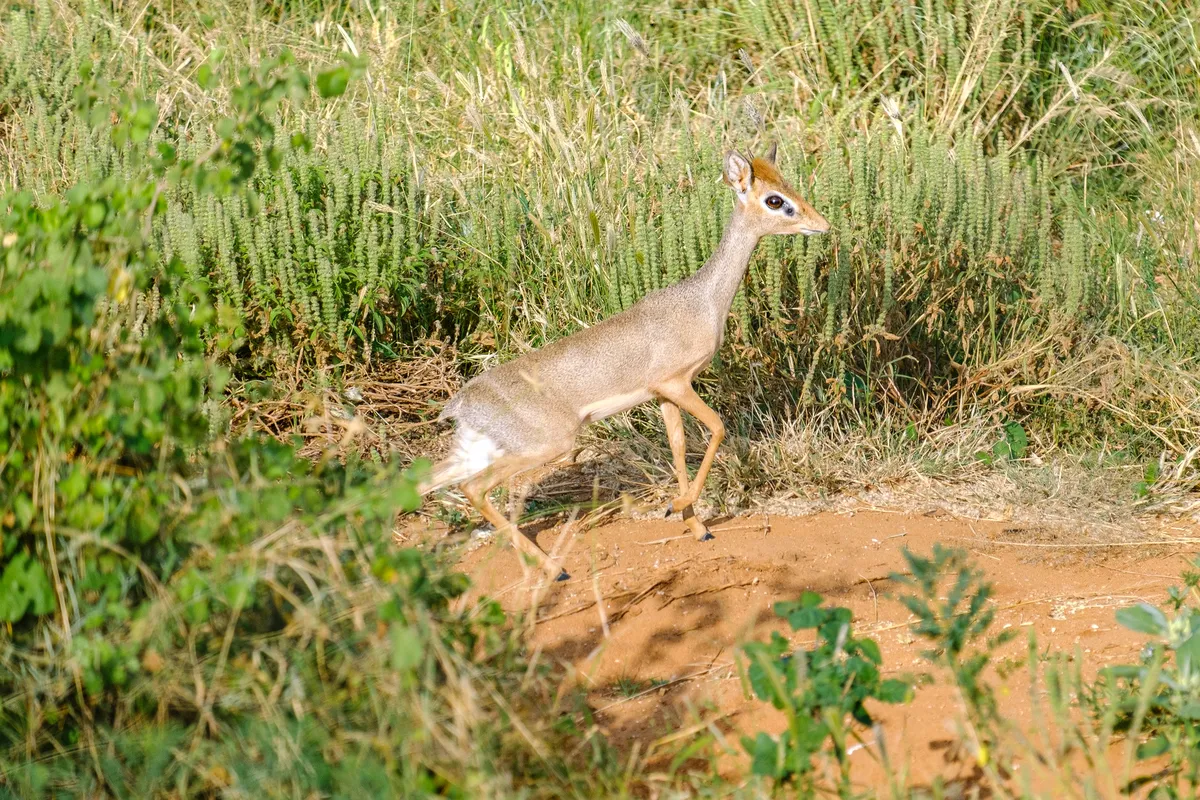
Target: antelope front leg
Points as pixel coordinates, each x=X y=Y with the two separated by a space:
x=675 y=435
x=685 y=397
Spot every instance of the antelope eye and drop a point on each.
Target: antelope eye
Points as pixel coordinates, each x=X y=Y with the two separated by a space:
x=774 y=201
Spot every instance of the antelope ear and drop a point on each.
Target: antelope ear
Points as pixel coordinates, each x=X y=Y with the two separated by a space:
x=737 y=172
x=772 y=152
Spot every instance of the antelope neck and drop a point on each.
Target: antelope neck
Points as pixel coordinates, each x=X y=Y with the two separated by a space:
x=722 y=274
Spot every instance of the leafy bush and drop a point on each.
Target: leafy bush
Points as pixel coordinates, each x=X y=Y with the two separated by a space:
x=1157 y=701
x=819 y=690
x=189 y=615
x=104 y=377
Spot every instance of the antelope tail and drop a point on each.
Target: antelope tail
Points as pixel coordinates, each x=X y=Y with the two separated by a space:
x=445 y=473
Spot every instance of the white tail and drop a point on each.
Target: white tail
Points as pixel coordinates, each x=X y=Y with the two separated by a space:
x=445 y=473
x=472 y=454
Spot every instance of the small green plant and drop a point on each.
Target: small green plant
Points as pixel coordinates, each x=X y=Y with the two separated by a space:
x=1010 y=448
x=951 y=602
x=1157 y=701
x=1145 y=485
x=821 y=691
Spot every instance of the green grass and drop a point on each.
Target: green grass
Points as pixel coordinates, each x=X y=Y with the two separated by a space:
x=996 y=175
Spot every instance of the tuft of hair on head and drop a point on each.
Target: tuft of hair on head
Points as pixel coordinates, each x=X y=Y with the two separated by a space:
x=765 y=170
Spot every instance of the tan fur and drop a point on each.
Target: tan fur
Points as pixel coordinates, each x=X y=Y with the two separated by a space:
x=765 y=171
x=531 y=408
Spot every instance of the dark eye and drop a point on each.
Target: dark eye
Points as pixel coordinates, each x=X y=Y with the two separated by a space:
x=774 y=201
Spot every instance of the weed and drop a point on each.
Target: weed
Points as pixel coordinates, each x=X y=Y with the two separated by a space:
x=951 y=603
x=820 y=690
x=1158 y=700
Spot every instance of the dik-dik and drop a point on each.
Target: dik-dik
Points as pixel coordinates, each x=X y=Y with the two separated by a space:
x=527 y=412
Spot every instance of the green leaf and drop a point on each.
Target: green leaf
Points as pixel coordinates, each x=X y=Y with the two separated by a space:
x=407 y=648
x=1143 y=618
x=895 y=691
x=332 y=83
x=870 y=649
x=1015 y=438
x=24 y=589
x=1190 y=711
x=1189 y=652
x=41 y=593
x=192 y=591
x=406 y=496
x=94 y=216
x=764 y=753
x=1155 y=747
x=803 y=613
x=226 y=128
x=71 y=487
x=237 y=590
x=145 y=115
x=24 y=510
x=205 y=76
x=153 y=397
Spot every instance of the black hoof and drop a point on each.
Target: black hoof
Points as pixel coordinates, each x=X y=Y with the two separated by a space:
x=562 y=576
x=707 y=537
x=670 y=510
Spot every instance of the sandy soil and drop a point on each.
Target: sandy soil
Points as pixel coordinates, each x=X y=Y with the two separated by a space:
x=647 y=604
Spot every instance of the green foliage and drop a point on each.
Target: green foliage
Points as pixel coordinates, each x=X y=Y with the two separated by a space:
x=190 y=616
x=24 y=588
x=102 y=399
x=1157 y=701
x=1011 y=448
x=950 y=600
x=819 y=691
x=512 y=173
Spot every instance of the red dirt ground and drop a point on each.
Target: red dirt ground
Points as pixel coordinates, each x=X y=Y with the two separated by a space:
x=675 y=610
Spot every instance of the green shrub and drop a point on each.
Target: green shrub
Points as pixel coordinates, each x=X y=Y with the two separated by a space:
x=820 y=691
x=1157 y=701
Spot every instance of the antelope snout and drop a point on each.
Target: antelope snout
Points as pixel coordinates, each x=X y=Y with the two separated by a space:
x=814 y=224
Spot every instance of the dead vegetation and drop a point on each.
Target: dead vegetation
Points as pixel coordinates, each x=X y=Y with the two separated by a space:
x=833 y=458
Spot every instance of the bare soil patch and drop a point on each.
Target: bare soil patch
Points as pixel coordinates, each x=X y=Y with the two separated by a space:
x=651 y=620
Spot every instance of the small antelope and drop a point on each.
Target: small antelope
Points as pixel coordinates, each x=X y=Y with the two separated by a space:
x=527 y=412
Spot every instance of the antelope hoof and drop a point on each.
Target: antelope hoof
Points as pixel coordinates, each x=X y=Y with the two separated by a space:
x=562 y=576
x=706 y=537
x=678 y=504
